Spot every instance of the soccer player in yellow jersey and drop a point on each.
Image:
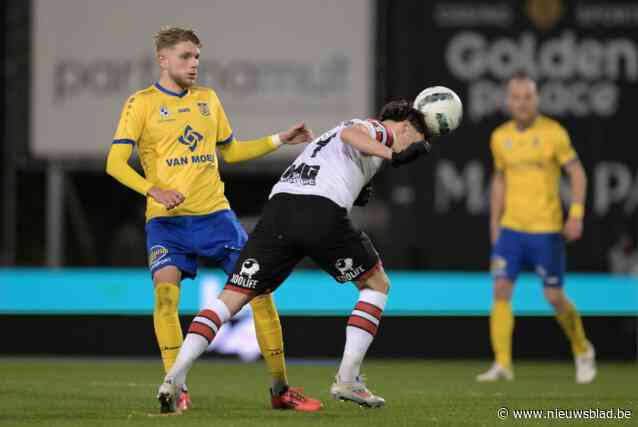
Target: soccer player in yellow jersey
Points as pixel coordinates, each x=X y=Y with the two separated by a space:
x=178 y=128
x=526 y=222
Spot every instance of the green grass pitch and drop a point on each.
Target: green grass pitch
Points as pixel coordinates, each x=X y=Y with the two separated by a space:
x=108 y=392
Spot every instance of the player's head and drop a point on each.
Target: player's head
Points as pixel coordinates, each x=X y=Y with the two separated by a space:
x=406 y=122
x=522 y=98
x=177 y=52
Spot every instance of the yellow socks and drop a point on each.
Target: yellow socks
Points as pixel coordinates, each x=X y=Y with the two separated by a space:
x=270 y=339
x=572 y=324
x=501 y=329
x=166 y=321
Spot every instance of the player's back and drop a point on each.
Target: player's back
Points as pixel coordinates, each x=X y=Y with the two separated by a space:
x=331 y=168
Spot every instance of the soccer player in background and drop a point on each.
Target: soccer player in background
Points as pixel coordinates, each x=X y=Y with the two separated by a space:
x=177 y=128
x=526 y=223
x=307 y=215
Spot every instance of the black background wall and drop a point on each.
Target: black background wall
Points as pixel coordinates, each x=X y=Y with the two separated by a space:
x=416 y=337
x=584 y=56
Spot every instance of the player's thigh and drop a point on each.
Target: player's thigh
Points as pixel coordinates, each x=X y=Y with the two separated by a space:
x=507 y=257
x=377 y=281
x=168 y=245
x=263 y=264
x=347 y=256
x=546 y=253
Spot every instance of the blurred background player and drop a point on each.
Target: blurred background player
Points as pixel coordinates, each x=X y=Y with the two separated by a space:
x=307 y=215
x=526 y=223
x=177 y=127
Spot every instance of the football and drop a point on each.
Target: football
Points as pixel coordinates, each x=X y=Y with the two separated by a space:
x=441 y=107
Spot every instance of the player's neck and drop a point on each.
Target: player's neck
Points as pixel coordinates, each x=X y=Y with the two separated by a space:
x=170 y=84
x=522 y=126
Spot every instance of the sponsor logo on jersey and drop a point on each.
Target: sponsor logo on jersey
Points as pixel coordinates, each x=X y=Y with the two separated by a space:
x=190 y=138
x=347 y=270
x=203 y=109
x=184 y=110
x=301 y=174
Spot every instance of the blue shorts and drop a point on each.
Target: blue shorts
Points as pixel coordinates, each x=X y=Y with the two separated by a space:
x=179 y=240
x=543 y=252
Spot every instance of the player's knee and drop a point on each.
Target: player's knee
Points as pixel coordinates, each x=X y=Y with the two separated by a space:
x=503 y=289
x=555 y=297
x=379 y=281
x=383 y=285
x=168 y=274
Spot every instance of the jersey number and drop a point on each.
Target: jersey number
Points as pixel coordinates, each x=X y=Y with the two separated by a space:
x=322 y=142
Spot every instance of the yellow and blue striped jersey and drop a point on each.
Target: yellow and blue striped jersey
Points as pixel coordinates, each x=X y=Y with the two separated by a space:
x=531 y=161
x=176 y=136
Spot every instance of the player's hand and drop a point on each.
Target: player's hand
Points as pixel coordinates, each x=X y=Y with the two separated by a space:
x=168 y=198
x=573 y=229
x=366 y=194
x=410 y=154
x=298 y=134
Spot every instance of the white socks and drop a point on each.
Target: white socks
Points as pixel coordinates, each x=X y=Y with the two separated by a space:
x=201 y=332
x=362 y=327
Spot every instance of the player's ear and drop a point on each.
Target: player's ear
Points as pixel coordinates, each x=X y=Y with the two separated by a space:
x=161 y=58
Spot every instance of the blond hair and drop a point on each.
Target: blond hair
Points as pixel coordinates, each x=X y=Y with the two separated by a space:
x=170 y=36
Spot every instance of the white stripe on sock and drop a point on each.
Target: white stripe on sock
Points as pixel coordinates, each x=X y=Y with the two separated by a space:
x=366 y=316
x=206 y=321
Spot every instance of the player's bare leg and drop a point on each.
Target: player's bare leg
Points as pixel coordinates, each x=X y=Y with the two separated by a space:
x=200 y=334
x=501 y=329
x=362 y=327
x=571 y=323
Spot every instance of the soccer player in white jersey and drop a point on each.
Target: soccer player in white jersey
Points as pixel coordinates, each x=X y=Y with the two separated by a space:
x=307 y=215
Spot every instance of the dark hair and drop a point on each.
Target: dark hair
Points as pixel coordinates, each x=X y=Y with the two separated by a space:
x=402 y=110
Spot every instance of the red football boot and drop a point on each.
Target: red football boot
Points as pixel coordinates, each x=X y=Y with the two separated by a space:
x=184 y=401
x=293 y=398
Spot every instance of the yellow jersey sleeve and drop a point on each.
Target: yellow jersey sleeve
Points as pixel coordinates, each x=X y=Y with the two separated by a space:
x=117 y=166
x=131 y=124
x=564 y=150
x=224 y=130
x=499 y=164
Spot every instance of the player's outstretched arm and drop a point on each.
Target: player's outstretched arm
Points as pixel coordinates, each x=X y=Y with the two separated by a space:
x=240 y=151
